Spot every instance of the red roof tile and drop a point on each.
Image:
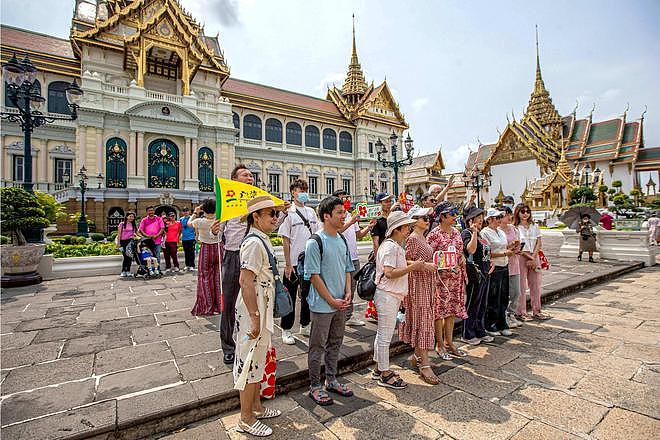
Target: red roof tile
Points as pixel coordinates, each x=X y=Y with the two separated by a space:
x=34 y=41
x=270 y=93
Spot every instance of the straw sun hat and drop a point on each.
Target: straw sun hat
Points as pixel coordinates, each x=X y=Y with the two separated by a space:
x=258 y=203
x=396 y=219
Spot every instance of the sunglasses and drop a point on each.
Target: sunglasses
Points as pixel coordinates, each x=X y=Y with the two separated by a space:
x=424 y=217
x=273 y=213
x=525 y=211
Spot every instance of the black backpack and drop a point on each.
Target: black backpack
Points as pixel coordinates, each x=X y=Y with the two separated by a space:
x=301 y=258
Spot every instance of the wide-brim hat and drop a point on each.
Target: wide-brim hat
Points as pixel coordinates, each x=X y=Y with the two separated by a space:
x=471 y=213
x=396 y=219
x=258 y=203
x=492 y=212
x=418 y=211
x=444 y=207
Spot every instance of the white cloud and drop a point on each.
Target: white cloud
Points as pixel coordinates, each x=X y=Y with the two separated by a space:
x=455 y=158
x=420 y=103
x=610 y=94
x=329 y=80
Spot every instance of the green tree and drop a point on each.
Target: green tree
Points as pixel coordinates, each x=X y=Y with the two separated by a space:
x=583 y=195
x=53 y=209
x=622 y=203
x=635 y=194
x=617 y=184
x=20 y=211
x=611 y=191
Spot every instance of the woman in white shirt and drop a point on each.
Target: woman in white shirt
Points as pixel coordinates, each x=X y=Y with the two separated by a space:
x=530 y=265
x=498 y=292
x=392 y=271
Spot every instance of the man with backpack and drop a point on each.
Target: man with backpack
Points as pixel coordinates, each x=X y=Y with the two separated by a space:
x=328 y=267
x=300 y=223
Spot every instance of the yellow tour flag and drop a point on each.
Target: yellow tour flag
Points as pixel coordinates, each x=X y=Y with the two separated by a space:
x=231 y=198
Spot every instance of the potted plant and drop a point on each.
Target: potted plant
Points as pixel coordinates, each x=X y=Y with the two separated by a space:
x=53 y=211
x=19 y=212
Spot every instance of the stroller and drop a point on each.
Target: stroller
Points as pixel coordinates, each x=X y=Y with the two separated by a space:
x=133 y=251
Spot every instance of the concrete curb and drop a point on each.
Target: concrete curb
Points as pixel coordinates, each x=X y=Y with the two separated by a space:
x=190 y=412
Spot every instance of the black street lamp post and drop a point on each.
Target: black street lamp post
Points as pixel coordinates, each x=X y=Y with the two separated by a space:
x=395 y=164
x=477 y=180
x=83 y=227
x=24 y=93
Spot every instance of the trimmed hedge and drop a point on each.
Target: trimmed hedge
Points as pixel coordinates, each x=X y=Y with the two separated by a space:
x=60 y=250
x=96 y=236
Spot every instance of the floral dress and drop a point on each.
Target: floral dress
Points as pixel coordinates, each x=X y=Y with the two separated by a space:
x=250 y=355
x=422 y=304
x=452 y=283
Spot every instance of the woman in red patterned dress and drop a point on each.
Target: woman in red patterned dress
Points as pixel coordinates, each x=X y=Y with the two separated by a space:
x=418 y=328
x=452 y=281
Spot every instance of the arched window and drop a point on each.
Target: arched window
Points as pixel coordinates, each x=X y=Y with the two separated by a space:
x=163 y=164
x=345 y=142
x=115 y=163
x=312 y=137
x=329 y=139
x=57 y=102
x=205 y=169
x=273 y=130
x=237 y=120
x=252 y=127
x=36 y=88
x=293 y=133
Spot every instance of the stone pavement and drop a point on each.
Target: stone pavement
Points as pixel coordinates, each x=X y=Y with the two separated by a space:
x=93 y=355
x=593 y=371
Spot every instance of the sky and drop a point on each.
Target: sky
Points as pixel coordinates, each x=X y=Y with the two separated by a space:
x=456 y=68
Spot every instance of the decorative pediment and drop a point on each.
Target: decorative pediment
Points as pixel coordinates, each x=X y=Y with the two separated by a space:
x=254 y=167
x=347 y=175
x=331 y=173
x=509 y=149
x=313 y=172
x=165 y=111
x=274 y=168
x=62 y=151
x=294 y=170
x=15 y=146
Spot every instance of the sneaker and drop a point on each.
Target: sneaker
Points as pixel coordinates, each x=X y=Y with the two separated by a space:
x=287 y=337
x=304 y=330
x=473 y=341
x=506 y=332
x=176 y=269
x=495 y=333
x=129 y=275
x=487 y=338
x=513 y=322
x=151 y=272
x=354 y=322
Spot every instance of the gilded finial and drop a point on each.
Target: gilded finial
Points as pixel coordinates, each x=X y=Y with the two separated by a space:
x=538 y=58
x=507 y=119
x=591 y=113
x=625 y=112
x=513 y=115
x=478 y=141
x=498 y=131
x=354 y=86
x=577 y=103
x=644 y=112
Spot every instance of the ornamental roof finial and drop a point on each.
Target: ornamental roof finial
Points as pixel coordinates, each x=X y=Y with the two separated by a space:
x=540 y=104
x=354 y=86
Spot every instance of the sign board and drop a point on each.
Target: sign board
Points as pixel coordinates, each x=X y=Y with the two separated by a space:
x=368 y=211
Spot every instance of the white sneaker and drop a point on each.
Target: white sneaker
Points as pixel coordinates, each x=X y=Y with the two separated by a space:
x=176 y=269
x=506 y=332
x=129 y=275
x=513 y=322
x=473 y=341
x=354 y=322
x=493 y=333
x=287 y=337
x=304 y=330
x=123 y=275
x=487 y=338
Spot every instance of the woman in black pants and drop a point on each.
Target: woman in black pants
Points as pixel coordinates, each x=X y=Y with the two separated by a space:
x=125 y=233
x=477 y=254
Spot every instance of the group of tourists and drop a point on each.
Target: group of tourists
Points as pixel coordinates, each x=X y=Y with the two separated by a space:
x=496 y=261
x=155 y=234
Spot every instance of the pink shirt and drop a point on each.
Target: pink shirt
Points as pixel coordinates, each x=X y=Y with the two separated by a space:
x=126 y=231
x=151 y=226
x=512 y=234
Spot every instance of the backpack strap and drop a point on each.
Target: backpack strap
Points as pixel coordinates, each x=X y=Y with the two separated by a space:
x=305 y=221
x=271 y=257
x=319 y=242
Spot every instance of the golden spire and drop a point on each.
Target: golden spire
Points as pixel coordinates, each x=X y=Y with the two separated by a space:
x=562 y=165
x=540 y=103
x=354 y=86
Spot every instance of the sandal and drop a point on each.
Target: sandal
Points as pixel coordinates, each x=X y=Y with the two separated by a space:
x=414 y=361
x=257 y=429
x=268 y=413
x=320 y=396
x=458 y=353
x=375 y=374
x=431 y=380
x=542 y=317
x=526 y=318
x=339 y=388
x=443 y=355
x=398 y=383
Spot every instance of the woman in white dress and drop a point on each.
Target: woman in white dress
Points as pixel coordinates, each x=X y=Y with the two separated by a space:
x=254 y=315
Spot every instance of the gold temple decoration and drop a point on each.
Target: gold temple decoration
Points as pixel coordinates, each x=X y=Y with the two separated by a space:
x=354 y=86
x=157 y=37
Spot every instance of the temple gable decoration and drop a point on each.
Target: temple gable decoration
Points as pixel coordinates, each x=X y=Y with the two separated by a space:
x=157 y=37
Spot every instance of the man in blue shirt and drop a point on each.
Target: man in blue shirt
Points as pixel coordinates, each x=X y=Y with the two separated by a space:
x=329 y=297
x=188 y=240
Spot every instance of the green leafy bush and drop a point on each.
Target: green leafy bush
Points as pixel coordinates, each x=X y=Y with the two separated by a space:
x=60 y=250
x=79 y=240
x=4 y=240
x=96 y=236
x=67 y=239
x=112 y=236
x=53 y=210
x=20 y=211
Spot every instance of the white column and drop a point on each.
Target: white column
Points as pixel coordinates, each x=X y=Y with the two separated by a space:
x=99 y=150
x=141 y=153
x=186 y=158
x=194 y=159
x=43 y=161
x=130 y=154
x=82 y=147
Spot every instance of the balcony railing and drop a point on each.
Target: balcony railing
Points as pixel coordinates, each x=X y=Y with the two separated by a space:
x=159 y=96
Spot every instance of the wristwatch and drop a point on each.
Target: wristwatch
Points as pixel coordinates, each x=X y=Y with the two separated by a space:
x=255 y=313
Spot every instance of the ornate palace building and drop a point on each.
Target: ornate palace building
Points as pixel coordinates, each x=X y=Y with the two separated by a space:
x=542 y=156
x=161 y=115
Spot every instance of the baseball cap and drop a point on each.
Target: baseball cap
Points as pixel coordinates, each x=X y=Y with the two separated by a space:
x=382 y=196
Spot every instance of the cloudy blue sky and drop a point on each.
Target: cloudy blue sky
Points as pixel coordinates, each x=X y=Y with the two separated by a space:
x=456 y=67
